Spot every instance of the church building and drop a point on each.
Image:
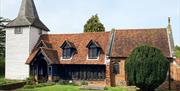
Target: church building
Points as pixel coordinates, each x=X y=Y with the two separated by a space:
x=95 y=57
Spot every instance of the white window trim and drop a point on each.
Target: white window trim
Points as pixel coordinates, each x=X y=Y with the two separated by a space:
x=66 y=59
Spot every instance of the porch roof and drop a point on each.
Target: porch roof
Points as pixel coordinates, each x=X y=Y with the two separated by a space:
x=50 y=54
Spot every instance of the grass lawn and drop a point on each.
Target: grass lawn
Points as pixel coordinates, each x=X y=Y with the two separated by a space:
x=69 y=88
x=4 y=81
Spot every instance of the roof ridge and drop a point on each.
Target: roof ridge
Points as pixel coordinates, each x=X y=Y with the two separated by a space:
x=140 y=29
x=77 y=33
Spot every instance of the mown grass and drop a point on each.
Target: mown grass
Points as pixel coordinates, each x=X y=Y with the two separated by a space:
x=5 y=81
x=69 y=88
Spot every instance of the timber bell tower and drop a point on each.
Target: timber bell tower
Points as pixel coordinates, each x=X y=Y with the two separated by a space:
x=21 y=36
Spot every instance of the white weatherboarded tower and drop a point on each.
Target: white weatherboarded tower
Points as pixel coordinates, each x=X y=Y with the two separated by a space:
x=21 y=36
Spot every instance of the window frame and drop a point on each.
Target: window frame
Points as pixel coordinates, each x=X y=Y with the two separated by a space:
x=67 y=53
x=93 y=52
x=116 y=68
x=18 y=30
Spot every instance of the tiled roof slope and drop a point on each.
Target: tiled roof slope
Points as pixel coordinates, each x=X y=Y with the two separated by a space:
x=80 y=41
x=50 y=54
x=120 y=43
x=128 y=39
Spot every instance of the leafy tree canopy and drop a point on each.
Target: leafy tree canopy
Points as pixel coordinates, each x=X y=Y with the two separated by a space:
x=94 y=25
x=177 y=48
x=146 y=67
x=2 y=36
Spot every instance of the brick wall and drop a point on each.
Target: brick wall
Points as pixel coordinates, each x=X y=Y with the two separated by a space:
x=175 y=77
x=175 y=70
x=120 y=78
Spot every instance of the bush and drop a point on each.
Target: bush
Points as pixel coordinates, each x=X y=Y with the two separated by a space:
x=146 y=67
x=63 y=82
x=84 y=83
x=105 y=88
x=30 y=81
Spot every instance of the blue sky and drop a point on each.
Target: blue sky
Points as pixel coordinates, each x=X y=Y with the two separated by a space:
x=69 y=16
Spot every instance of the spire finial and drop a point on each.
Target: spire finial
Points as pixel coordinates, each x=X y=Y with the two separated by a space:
x=169 y=25
x=169 y=20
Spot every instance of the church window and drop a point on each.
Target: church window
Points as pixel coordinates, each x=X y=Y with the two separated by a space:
x=18 y=30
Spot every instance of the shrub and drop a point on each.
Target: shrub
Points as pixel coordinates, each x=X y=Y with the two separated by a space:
x=84 y=82
x=30 y=81
x=63 y=82
x=105 y=88
x=146 y=67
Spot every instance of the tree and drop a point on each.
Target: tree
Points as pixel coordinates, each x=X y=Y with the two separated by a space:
x=177 y=48
x=2 y=36
x=146 y=67
x=2 y=44
x=94 y=25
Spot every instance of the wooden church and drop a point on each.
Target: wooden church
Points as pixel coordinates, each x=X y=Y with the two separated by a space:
x=95 y=57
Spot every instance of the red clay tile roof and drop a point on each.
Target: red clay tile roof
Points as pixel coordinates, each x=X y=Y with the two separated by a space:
x=31 y=56
x=50 y=54
x=128 y=39
x=41 y=43
x=69 y=43
x=124 y=42
x=79 y=41
x=94 y=42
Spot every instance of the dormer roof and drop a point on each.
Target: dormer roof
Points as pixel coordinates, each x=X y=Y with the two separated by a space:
x=94 y=43
x=70 y=44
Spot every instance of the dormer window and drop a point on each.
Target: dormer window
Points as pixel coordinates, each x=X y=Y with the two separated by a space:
x=68 y=50
x=93 y=50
